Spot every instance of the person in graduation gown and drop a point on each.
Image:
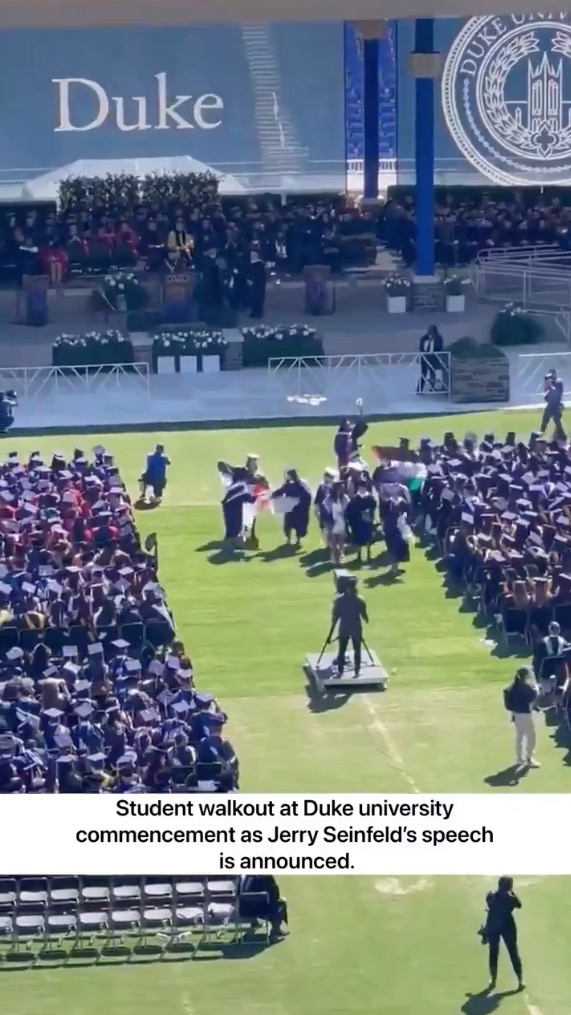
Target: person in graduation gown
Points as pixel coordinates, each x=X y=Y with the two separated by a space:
x=430 y=345
x=235 y=499
x=296 y=520
x=251 y=475
x=323 y=490
x=256 y=286
x=260 y=899
x=343 y=444
x=360 y=516
x=393 y=517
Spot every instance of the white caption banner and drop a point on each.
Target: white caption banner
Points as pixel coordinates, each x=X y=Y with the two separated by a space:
x=362 y=834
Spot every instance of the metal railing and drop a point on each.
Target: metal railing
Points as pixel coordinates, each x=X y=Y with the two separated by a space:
x=531 y=369
x=363 y=376
x=31 y=382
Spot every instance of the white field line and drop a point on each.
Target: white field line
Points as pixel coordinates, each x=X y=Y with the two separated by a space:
x=378 y=726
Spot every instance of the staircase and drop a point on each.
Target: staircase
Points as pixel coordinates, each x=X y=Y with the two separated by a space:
x=282 y=152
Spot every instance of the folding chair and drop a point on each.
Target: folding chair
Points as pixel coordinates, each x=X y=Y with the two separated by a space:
x=9 y=638
x=29 y=927
x=30 y=639
x=126 y=890
x=158 y=633
x=123 y=922
x=188 y=920
x=60 y=926
x=32 y=892
x=133 y=633
x=222 y=886
x=92 y=893
x=222 y=917
x=91 y=924
x=63 y=893
x=157 y=892
x=512 y=624
x=189 y=891
x=156 y=922
x=55 y=638
x=6 y=928
x=8 y=895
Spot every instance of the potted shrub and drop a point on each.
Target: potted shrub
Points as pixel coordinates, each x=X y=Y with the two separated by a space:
x=94 y=349
x=455 y=295
x=265 y=342
x=515 y=326
x=124 y=292
x=397 y=288
x=166 y=347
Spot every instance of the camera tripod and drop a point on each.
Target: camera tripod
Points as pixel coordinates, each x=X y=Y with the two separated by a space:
x=330 y=639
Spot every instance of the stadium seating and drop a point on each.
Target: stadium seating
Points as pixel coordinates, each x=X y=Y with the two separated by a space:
x=42 y=915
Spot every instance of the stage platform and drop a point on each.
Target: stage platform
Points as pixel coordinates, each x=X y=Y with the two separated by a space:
x=324 y=672
x=245 y=397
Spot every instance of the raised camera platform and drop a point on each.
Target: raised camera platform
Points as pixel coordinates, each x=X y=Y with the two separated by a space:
x=326 y=677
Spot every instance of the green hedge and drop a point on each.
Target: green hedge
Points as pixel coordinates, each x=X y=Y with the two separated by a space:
x=468 y=348
x=514 y=326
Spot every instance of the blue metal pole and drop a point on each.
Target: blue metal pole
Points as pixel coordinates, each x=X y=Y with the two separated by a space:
x=371 y=118
x=424 y=116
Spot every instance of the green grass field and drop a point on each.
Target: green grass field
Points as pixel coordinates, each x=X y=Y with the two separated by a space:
x=404 y=946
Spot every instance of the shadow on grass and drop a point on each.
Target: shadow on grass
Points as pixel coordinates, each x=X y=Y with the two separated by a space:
x=283 y=552
x=146 y=505
x=511 y=776
x=138 y=955
x=485 y=1002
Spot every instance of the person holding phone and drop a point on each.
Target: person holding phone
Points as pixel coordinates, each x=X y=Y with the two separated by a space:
x=499 y=926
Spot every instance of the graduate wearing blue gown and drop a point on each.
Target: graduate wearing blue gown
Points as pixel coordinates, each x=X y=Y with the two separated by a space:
x=296 y=520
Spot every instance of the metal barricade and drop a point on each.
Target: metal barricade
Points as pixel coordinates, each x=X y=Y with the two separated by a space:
x=530 y=374
x=375 y=378
x=33 y=382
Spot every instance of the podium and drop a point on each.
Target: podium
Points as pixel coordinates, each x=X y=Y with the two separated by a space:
x=32 y=301
x=177 y=293
x=317 y=290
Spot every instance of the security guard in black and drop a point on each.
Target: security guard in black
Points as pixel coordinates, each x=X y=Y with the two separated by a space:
x=350 y=612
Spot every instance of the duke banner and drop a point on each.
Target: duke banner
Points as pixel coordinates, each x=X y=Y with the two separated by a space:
x=248 y=100
x=503 y=112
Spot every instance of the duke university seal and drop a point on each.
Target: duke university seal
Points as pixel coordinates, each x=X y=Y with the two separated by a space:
x=506 y=97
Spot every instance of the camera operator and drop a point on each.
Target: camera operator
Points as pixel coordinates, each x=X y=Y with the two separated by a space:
x=501 y=926
x=520 y=699
x=350 y=612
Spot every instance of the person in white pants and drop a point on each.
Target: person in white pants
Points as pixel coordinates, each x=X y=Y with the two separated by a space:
x=519 y=700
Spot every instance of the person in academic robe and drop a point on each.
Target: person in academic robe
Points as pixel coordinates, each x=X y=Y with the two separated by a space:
x=237 y=496
x=360 y=516
x=260 y=899
x=181 y=241
x=296 y=519
x=343 y=443
x=323 y=490
x=334 y=509
x=253 y=477
x=393 y=517
x=430 y=345
x=210 y=287
x=256 y=286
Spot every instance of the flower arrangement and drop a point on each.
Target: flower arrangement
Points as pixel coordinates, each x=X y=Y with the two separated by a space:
x=264 y=342
x=397 y=285
x=189 y=343
x=123 y=291
x=515 y=326
x=454 y=286
x=281 y=333
x=95 y=348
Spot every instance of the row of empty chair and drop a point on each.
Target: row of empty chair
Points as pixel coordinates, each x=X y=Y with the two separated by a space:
x=86 y=910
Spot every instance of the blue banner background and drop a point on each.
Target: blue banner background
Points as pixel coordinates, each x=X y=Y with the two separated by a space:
x=282 y=88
